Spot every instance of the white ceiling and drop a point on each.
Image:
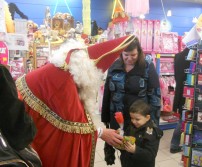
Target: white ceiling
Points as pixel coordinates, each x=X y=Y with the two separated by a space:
x=192 y=1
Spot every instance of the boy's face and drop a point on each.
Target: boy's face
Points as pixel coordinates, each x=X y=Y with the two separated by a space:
x=138 y=120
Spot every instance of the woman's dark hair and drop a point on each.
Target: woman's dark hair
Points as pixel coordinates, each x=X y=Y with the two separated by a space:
x=136 y=45
x=140 y=107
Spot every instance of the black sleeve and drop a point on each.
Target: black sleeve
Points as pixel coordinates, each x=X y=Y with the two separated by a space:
x=16 y=125
x=153 y=78
x=180 y=64
x=105 y=115
x=149 y=152
x=154 y=93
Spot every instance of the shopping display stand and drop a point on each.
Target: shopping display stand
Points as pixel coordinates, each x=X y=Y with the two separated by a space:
x=192 y=115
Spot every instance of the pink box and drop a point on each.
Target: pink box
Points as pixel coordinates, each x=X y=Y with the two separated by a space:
x=169 y=42
x=157 y=34
x=188 y=91
x=167 y=65
x=150 y=27
x=137 y=28
x=144 y=35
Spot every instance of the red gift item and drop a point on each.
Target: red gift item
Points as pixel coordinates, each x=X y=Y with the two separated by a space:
x=119 y=117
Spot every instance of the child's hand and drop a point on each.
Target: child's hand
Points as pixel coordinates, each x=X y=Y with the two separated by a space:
x=129 y=147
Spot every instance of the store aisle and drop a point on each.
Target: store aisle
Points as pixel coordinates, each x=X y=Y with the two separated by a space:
x=163 y=159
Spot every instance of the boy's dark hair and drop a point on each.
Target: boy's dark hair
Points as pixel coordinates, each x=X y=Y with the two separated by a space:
x=140 y=107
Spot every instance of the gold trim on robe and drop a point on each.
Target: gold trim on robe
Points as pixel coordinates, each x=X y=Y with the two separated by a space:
x=50 y=116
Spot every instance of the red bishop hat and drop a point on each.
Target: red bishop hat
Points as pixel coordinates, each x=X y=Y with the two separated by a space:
x=104 y=54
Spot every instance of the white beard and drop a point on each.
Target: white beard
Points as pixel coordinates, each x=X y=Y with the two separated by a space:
x=85 y=74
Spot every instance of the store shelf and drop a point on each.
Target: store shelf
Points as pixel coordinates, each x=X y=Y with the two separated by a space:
x=166 y=73
x=164 y=125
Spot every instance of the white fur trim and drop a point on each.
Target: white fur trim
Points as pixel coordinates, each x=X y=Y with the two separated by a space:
x=85 y=74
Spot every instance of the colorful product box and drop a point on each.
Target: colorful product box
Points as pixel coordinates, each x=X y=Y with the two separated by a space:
x=199 y=79
x=197 y=137
x=196 y=157
x=169 y=42
x=186 y=115
x=150 y=27
x=157 y=35
x=198 y=101
x=137 y=28
x=144 y=35
x=188 y=91
x=199 y=117
x=167 y=65
x=189 y=103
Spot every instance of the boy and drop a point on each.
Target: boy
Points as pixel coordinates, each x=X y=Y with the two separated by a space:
x=147 y=134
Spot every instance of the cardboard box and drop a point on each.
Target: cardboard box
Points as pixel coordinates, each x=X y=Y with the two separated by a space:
x=157 y=35
x=150 y=27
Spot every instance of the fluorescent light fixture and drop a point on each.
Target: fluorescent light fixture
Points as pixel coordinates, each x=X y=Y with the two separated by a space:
x=142 y=16
x=169 y=13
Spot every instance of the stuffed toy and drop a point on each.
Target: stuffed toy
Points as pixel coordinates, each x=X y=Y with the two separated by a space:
x=31 y=26
x=39 y=37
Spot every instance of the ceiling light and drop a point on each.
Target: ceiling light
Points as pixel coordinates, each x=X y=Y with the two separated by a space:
x=194 y=20
x=142 y=16
x=169 y=13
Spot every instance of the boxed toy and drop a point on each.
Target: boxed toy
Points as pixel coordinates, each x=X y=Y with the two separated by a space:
x=197 y=137
x=167 y=65
x=157 y=35
x=188 y=91
x=137 y=28
x=196 y=157
x=169 y=42
x=144 y=35
x=150 y=27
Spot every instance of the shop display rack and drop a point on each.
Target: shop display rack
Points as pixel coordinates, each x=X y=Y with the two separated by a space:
x=192 y=128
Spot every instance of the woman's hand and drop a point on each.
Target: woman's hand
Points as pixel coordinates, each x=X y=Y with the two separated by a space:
x=129 y=147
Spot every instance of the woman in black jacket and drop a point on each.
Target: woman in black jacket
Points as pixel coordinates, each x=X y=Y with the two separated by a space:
x=130 y=78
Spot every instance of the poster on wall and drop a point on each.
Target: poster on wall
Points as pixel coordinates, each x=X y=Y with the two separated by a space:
x=3 y=53
x=17 y=41
x=16 y=68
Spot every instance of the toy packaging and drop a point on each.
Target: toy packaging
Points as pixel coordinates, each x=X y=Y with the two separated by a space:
x=167 y=65
x=169 y=42
x=189 y=102
x=144 y=35
x=150 y=27
x=191 y=55
x=197 y=137
x=130 y=139
x=186 y=150
x=186 y=115
x=196 y=157
x=137 y=28
x=198 y=101
x=199 y=117
x=157 y=34
x=188 y=92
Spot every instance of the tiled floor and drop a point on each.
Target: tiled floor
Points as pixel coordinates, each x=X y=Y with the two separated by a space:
x=163 y=159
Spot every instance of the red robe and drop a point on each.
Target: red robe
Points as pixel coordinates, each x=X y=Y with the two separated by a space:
x=54 y=104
